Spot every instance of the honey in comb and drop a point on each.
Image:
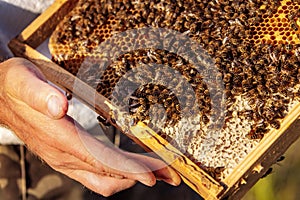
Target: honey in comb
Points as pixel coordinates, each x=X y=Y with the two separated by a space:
x=281 y=27
x=254 y=46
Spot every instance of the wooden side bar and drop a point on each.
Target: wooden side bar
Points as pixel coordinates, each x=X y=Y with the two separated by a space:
x=193 y=176
x=42 y=27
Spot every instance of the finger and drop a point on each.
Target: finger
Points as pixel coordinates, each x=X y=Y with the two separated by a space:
x=161 y=170
x=132 y=166
x=88 y=149
x=103 y=185
x=68 y=162
x=79 y=144
x=27 y=84
x=115 y=161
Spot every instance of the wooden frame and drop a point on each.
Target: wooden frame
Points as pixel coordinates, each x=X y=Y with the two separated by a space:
x=244 y=176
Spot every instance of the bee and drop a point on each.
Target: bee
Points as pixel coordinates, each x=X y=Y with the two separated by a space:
x=68 y=95
x=237 y=79
x=167 y=102
x=275 y=124
x=294 y=26
x=297 y=53
x=215 y=172
x=247 y=85
x=205 y=119
x=248 y=114
x=254 y=135
x=227 y=77
x=268 y=172
x=75 y=17
x=281 y=158
x=228 y=9
x=269 y=113
x=288 y=47
x=262 y=90
x=103 y=120
x=281 y=113
x=152 y=98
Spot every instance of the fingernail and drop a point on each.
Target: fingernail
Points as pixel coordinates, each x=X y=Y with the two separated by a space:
x=167 y=180
x=171 y=182
x=148 y=182
x=54 y=107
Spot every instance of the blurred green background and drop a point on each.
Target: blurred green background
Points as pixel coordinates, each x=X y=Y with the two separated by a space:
x=284 y=181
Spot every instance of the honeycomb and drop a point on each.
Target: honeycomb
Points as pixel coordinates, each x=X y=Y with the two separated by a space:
x=281 y=27
x=250 y=47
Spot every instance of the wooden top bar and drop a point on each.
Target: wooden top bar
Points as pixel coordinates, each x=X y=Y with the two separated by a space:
x=43 y=26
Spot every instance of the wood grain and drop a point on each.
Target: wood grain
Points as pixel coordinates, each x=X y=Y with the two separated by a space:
x=43 y=26
x=193 y=175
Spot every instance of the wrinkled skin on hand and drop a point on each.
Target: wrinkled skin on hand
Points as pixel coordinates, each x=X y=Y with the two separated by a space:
x=36 y=112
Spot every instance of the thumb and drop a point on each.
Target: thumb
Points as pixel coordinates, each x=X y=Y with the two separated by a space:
x=27 y=84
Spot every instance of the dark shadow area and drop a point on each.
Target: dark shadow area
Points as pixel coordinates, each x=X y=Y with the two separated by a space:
x=160 y=191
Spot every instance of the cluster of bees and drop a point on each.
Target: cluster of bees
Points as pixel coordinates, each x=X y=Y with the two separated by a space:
x=253 y=45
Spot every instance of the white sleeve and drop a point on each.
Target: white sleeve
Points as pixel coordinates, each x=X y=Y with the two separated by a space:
x=35 y=6
x=8 y=137
x=80 y=112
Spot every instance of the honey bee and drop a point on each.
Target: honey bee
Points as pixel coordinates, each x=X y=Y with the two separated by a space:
x=205 y=119
x=69 y=95
x=215 y=172
x=227 y=77
x=103 y=120
x=253 y=135
x=275 y=124
x=268 y=172
x=297 y=53
x=281 y=158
